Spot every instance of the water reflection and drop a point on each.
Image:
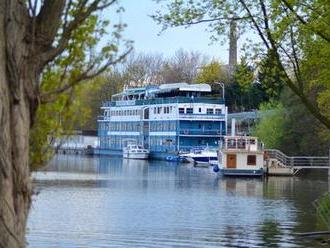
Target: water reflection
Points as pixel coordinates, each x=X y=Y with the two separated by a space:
x=110 y=202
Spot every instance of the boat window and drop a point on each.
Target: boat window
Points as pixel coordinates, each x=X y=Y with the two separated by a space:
x=218 y=111
x=159 y=110
x=190 y=110
x=251 y=159
x=231 y=143
x=200 y=110
x=209 y=111
x=181 y=110
x=155 y=110
x=241 y=144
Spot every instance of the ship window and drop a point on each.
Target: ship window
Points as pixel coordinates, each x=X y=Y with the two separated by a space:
x=159 y=110
x=218 y=111
x=181 y=110
x=200 y=110
x=209 y=111
x=251 y=159
x=190 y=110
x=155 y=110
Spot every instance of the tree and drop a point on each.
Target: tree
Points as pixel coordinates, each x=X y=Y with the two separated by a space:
x=212 y=72
x=182 y=67
x=282 y=26
x=142 y=69
x=37 y=36
x=269 y=77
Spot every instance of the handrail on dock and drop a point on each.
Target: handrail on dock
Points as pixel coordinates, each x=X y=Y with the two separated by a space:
x=298 y=161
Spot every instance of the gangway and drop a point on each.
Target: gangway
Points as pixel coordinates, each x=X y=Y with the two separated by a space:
x=279 y=163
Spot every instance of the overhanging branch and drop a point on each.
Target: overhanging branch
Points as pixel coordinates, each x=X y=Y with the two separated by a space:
x=86 y=75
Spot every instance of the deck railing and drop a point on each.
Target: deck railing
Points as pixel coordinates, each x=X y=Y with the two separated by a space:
x=201 y=132
x=183 y=116
x=298 y=161
x=214 y=100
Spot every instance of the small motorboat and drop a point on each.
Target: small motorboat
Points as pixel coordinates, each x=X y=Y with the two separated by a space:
x=135 y=152
x=201 y=157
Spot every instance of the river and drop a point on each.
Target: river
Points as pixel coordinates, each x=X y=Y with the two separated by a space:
x=110 y=202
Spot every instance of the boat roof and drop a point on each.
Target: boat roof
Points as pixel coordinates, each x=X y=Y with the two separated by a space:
x=241 y=137
x=185 y=87
x=163 y=88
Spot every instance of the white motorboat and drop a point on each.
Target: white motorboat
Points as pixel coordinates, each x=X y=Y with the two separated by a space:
x=135 y=152
x=204 y=156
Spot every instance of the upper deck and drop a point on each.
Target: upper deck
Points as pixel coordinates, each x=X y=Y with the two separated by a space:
x=169 y=100
x=241 y=144
x=164 y=94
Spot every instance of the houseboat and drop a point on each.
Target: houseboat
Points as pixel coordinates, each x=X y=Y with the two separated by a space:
x=166 y=119
x=241 y=156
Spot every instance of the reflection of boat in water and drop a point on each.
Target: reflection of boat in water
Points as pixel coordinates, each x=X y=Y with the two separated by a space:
x=135 y=152
x=201 y=157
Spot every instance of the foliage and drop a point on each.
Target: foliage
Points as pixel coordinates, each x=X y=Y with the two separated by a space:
x=212 y=72
x=243 y=92
x=288 y=127
x=286 y=30
x=244 y=75
x=271 y=128
x=182 y=67
x=269 y=76
x=66 y=104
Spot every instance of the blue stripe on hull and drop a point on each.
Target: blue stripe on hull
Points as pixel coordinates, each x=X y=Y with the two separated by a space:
x=204 y=159
x=236 y=172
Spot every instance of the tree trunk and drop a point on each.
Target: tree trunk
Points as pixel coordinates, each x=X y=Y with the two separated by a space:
x=15 y=120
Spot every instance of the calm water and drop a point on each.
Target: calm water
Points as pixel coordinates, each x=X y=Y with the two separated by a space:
x=109 y=202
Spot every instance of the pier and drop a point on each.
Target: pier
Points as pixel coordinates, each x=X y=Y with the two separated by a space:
x=279 y=163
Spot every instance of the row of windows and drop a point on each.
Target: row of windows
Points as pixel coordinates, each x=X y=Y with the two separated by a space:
x=115 y=142
x=209 y=111
x=126 y=112
x=163 y=110
x=162 y=126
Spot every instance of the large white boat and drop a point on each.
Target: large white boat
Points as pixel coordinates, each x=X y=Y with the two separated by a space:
x=165 y=119
x=135 y=152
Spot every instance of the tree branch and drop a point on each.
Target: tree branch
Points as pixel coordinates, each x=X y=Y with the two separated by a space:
x=81 y=15
x=86 y=75
x=301 y=20
x=255 y=24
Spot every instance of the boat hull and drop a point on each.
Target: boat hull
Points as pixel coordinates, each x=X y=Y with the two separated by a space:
x=242 y=172
x=136 y=155
x=204 y=160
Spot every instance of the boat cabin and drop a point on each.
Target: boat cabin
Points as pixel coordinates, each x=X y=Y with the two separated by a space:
x=242 y=156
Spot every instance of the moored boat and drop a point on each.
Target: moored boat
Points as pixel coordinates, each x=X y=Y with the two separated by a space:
x=135 y=152
x=201 y=156
x=242 y=156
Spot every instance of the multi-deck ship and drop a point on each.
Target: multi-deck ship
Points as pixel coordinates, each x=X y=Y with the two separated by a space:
x=165 y=119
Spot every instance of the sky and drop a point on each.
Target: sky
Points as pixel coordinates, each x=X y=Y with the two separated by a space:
x=145 y=33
